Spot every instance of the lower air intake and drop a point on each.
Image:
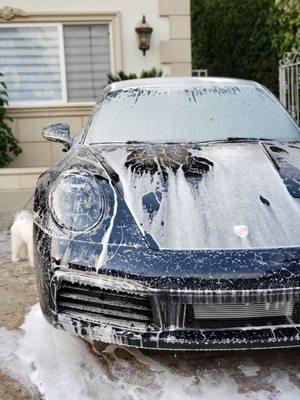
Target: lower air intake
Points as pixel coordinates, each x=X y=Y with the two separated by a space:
x=98 y=304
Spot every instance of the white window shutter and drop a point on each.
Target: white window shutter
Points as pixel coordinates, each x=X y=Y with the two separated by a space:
x=87 y=57
x=29 y=60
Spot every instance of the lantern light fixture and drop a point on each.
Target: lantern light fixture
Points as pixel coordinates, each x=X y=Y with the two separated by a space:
x=144 y=31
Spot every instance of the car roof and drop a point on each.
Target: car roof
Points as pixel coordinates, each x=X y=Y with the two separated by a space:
x=180 y=81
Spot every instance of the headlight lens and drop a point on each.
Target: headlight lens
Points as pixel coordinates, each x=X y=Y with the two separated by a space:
x=77 y=202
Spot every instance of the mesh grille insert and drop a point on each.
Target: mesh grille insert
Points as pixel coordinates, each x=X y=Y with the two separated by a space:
x=217 y=316
x=243 y=310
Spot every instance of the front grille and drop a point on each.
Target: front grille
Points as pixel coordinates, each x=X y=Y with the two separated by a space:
x=243 y=310
x=94 y=303
x=105 y=300
x=217 y=316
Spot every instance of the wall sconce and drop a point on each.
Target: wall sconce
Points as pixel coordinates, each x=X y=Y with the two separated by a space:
x=144 y=31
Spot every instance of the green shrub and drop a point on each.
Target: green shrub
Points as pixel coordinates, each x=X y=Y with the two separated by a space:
x=244 y=38
x=9 y=148
x=151 y=73
x=121 y=76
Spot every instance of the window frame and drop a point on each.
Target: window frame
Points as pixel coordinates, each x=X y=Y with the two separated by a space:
x=61 y=45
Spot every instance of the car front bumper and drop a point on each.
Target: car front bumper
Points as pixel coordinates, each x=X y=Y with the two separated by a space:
x=167 y=328
x=231 y=339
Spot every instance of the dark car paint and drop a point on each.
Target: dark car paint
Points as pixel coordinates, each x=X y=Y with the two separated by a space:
x=213 y=274
x=289 y=173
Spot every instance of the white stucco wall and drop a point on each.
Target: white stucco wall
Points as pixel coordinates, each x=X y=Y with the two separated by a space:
x=131 y=11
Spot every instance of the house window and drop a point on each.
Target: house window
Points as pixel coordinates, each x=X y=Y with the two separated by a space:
x=54 y=62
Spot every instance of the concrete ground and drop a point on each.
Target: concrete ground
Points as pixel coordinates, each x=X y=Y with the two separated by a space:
x=12 y=201
x=17 y=293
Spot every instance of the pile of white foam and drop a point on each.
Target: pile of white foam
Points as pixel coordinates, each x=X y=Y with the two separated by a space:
x=63 y=366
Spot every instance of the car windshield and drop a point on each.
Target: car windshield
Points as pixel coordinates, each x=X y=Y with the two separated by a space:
x=189 y=114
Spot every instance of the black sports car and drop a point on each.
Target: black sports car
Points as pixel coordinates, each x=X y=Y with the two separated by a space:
x=174 y=220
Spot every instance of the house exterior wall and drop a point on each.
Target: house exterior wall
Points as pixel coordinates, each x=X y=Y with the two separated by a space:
x=170 y=50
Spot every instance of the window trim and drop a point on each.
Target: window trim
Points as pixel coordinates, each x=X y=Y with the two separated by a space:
x=59 y=19
x=62 y=59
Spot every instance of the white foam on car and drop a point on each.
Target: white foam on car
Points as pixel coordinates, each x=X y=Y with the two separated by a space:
x=203 y=216
x=290 y=153
x=106 y=237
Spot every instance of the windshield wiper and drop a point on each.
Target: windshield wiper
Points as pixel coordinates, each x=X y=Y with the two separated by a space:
x=225 y=140
x=244 y=139
x=120 y=142
x=136 y=141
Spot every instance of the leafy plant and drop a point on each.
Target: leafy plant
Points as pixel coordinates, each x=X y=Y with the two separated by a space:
x=284 y=22
x=122 y=76
x=244 y=39
x=9 y=147
x=151 y=73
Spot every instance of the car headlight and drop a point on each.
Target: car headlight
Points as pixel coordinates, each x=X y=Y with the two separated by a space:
x=77 y=201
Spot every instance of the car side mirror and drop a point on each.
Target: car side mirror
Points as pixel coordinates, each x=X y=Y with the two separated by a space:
x=59 y=132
